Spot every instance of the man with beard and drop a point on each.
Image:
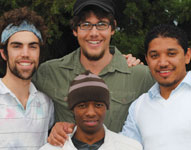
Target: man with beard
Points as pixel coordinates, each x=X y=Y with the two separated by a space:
x=93 y=24
x=26 y=114
x=88 y=98
x=161 y=118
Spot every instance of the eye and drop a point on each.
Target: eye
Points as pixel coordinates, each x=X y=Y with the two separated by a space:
x=85 y=25
x=102 y=25
x=171 y=54
x=153 y=56
x=98 y=105
x=81 y=105
x=33 y=46
x=16 y=46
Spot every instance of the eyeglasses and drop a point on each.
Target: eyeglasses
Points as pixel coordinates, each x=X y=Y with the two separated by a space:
x=89 y=26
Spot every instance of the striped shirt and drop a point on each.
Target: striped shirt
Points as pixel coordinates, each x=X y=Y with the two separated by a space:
x=24 y=129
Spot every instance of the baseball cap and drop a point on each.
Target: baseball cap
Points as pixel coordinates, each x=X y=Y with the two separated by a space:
x=106 y=5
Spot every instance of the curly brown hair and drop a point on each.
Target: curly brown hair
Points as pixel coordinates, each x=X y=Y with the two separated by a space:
x=17 y=16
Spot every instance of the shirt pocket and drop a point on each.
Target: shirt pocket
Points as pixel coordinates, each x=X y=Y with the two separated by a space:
x=118 y=111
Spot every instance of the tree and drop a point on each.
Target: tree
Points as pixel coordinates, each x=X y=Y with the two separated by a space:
x=135 y=18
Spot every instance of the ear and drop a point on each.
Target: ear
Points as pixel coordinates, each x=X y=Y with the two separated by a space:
x=75 y=33
x=3 y=54
x=188 y=56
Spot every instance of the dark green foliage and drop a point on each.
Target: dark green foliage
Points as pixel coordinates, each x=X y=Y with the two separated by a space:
x=134 y=17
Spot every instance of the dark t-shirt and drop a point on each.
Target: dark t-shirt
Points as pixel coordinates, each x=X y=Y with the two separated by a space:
x=84 y=146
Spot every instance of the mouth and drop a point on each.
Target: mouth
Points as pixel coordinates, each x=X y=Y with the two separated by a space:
x=24 y=64
x=90 y=122
x=165 y=73
x=94 y=42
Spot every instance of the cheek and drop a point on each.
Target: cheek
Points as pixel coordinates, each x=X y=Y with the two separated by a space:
x=151 y=65
x=102 y=113
x=36 y=55
x=106 y=35
x=77 y=114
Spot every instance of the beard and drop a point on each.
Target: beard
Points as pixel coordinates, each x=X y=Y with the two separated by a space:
x=14 y=70
x=93 y=57
x=170 y=84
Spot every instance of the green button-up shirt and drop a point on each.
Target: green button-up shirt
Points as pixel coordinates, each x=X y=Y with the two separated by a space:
x=125 y=84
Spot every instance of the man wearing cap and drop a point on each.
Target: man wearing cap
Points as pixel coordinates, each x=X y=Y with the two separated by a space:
x=93 y=25
x=88 y=98
x=26 y=114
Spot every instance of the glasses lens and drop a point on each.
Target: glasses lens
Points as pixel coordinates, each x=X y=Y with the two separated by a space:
x=85 y=26
x=102 y=25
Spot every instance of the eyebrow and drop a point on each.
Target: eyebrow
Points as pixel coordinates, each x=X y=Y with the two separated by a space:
x=172 y=49
x=19 y=43
x=169 y=49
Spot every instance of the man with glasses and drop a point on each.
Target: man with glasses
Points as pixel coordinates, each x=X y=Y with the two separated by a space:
x=93 y=24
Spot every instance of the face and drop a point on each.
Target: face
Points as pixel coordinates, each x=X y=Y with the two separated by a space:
x=23 y=54
x=89 y=116
x=166 y=60
x=94 y=43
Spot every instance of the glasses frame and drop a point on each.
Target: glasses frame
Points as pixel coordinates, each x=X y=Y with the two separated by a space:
x=96 y=25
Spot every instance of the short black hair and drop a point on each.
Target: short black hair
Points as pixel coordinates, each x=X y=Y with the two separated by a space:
x=167 y=31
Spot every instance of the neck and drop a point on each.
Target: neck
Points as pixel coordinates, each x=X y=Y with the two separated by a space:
x=18 y=86
x=165 y=91
x=89 y=138
x=96 y=66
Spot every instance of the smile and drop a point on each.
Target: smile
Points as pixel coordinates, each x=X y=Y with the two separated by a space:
x=165 y=71
x=91 y=122
x=25 y=64
x=94 y=42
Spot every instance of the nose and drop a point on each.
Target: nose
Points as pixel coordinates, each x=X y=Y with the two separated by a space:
x=25 y=51
x=163 y=61
x=94 y=31
x=90 y=112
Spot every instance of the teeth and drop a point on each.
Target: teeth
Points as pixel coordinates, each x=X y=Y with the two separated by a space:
x=164 y=71
x=25 y=64
x=94 y=42
x=91 y=121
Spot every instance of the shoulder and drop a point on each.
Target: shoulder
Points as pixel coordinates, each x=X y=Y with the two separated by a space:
x=141 y=99
x=63 y=60
x=123 y=142
x=44 y=99
x=137 y=103
x=143 y=69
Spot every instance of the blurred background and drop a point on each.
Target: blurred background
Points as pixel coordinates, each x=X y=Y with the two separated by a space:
x=134 y=18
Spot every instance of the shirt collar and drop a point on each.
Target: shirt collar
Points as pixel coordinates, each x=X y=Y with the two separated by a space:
x=72 y=61
x=155 y=90
x=117 y=63
x=4 y=89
